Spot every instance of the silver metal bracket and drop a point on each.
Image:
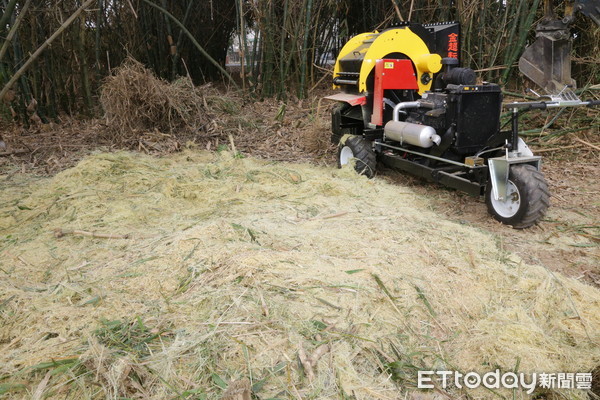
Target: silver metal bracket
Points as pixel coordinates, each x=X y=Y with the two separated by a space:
x=499 y=169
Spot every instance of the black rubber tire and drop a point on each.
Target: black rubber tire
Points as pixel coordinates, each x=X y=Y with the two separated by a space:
x=362 y=152
x=533 y=194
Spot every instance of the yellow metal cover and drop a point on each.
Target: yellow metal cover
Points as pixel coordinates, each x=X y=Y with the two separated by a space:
x=376 y=46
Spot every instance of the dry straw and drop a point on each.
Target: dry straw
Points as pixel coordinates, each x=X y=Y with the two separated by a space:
x=217 y=276
x=152 y=115
x=135 y=101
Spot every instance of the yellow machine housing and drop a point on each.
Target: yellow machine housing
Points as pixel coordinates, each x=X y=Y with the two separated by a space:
x=357 y=58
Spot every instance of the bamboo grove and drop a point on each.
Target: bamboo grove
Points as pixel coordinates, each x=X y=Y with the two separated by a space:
x=55 y=54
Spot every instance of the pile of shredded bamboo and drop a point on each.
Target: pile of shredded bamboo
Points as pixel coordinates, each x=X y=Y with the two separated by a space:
x=208 y=275
x=135 y=101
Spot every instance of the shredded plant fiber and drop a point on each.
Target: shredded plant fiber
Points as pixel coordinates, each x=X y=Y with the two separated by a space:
x=208 y=275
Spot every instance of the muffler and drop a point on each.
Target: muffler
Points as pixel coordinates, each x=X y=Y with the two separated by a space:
x=415 y=134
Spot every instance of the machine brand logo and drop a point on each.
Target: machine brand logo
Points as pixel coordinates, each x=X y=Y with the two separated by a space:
x=453 y=45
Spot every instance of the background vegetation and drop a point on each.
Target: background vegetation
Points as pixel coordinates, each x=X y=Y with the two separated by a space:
x=286 y=43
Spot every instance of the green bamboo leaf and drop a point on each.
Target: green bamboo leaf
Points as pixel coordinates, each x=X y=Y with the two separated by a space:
x=217 y=380
x=354 y=271
x=11 y=387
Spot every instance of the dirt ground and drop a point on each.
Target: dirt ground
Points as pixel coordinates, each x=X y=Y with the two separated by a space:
x=567 y=240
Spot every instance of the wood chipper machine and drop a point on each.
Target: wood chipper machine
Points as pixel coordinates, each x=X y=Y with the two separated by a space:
x=404 y=100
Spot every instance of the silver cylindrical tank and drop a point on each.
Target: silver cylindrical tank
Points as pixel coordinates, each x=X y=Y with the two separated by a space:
x=415 y=134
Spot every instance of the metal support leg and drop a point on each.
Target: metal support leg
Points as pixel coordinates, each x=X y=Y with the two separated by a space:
x=514 y=138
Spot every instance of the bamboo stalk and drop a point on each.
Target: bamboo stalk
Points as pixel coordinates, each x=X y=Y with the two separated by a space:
x=180 y=38
x=525 y=26
x=496 y=49
x=193 y=40
x=13 y=29
x=303 y=61
x=43 y=47
x=172 y=48
x=282 y=49
x=25 y=97
x=398 y=14
x=143 y=17
x=573 y=146
x=410 y=11
x=291 y=52
x=271 y=50
x=253 y=63
x=7 y=14
x=513 y=28
x=98 y=35
x=58 y=233
x=242 y=38
x=593 y=146
x=239 y=23
x=85 y=76
x=482 y=19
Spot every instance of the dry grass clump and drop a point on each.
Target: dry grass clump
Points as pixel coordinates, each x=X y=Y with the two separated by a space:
x=152 y=115
x=136 y=101
x=229 y=275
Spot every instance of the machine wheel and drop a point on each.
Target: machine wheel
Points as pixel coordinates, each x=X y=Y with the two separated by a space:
x=527 y=201
x=362 y=151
